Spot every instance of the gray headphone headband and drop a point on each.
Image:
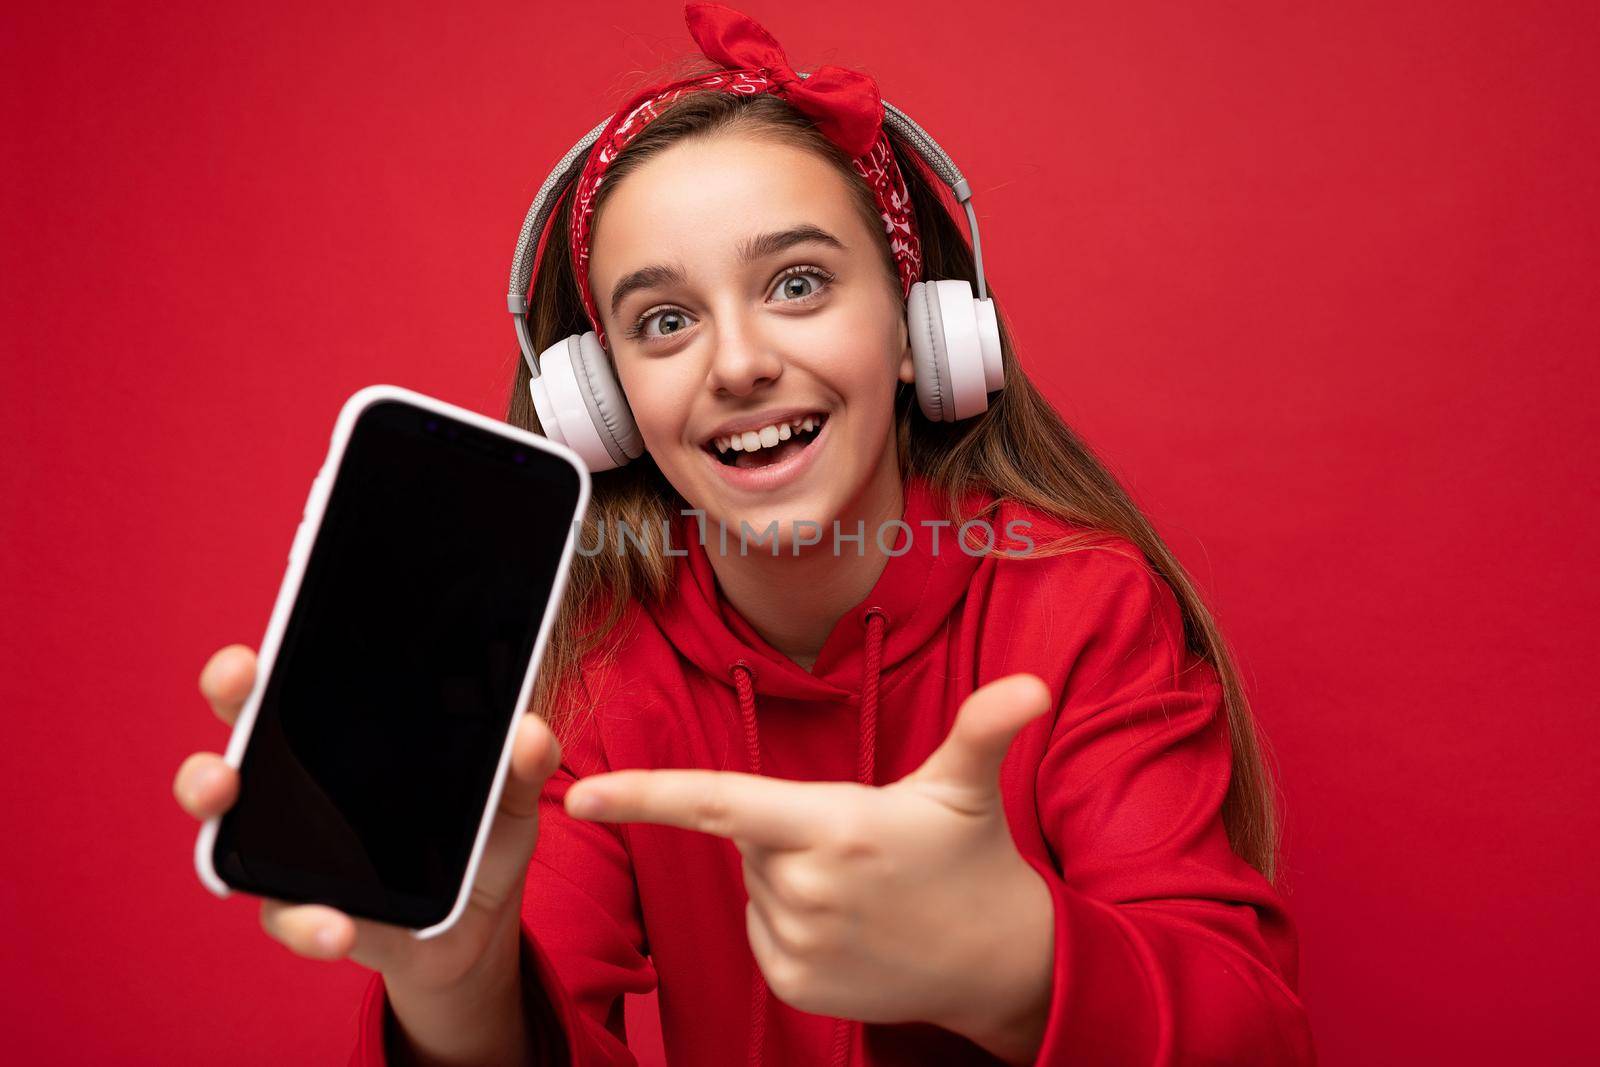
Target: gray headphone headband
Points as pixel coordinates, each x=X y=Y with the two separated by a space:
x=544 y=202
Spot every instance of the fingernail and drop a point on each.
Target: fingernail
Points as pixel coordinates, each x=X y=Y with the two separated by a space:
x=585 y=804
x=198 y=783
x=328 y=939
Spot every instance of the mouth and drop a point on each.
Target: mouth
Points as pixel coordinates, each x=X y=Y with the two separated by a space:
x=769 y=445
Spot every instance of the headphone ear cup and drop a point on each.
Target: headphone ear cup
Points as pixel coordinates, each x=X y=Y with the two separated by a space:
x=955 y=348
x=581 y=405
x=927 y=349
x=607 y=402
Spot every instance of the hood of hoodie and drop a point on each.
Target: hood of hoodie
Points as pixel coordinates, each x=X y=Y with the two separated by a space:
x=914 y=595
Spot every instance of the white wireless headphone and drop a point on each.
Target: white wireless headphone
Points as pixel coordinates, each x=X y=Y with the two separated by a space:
x=955 y=337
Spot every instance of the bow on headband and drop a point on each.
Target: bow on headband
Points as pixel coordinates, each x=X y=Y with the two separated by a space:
x=843 y=104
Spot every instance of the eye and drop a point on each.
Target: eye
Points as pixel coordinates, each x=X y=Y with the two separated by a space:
x=800 y=283
x=672 y=319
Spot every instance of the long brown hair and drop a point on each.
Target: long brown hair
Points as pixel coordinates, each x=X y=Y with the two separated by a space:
x=1019 y=449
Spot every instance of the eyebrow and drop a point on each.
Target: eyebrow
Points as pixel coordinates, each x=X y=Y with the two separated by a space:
x=751 y=249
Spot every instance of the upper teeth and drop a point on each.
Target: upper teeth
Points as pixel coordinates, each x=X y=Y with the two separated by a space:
x=767 y=436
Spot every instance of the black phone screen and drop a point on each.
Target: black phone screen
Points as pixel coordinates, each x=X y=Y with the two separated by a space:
x=380 y=729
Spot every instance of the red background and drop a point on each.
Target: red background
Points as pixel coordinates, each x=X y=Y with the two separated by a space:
x=1318 y=280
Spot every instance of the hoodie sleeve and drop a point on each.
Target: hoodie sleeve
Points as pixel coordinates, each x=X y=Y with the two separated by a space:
x=1169 y=948
x=583 y=942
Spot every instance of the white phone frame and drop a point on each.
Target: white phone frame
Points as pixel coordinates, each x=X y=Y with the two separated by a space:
x=300 y=552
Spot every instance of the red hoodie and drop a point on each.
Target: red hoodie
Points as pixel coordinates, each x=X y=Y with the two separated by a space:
x=1168 y=948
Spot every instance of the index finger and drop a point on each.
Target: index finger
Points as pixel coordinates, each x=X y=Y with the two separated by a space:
x=226 y=680
x=770 y=812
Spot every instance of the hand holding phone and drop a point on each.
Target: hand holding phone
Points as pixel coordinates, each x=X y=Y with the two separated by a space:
x=457 y=995
x=206 y=787
x=383 y=771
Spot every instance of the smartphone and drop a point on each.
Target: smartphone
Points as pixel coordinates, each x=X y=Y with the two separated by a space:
x=403 y=644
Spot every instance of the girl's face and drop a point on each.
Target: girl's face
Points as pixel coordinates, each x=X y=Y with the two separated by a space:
x=743 y=294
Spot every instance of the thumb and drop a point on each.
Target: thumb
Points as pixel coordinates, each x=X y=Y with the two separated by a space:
x=987 y=722
x=535 y=755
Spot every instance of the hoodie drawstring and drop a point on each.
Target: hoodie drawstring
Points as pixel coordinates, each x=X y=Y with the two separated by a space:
x=876 y=621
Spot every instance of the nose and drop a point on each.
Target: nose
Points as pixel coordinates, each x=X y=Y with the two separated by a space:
x=743 y=358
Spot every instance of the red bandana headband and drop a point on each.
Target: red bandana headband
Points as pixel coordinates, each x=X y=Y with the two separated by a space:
x=844 y=105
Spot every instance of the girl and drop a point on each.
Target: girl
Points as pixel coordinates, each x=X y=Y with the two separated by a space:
x=881 y=740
